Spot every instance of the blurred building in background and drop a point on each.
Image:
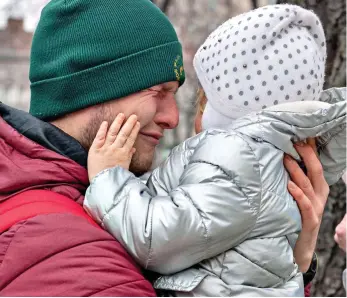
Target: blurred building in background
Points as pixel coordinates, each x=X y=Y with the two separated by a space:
x=14 y=64
x=193 y=20
x=18 y=19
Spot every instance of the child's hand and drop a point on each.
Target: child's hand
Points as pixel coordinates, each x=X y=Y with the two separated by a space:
x=113 y=147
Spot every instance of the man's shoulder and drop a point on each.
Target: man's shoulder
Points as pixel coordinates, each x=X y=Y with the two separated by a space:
x=68 y=256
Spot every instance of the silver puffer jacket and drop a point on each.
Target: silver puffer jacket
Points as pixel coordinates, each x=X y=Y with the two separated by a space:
x=216 y=219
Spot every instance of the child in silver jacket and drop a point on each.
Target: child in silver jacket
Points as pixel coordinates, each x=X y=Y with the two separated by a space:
x=216 y=218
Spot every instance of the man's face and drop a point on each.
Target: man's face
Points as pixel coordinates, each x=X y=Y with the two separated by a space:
x=156 y=110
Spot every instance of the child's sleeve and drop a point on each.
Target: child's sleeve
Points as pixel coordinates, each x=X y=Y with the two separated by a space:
x=211 y=210
x=166 y=177
x=332 y=144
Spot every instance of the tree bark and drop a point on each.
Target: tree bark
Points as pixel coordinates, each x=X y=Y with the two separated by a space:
x=331 y=260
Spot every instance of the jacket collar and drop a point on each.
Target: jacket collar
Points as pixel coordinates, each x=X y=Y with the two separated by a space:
x=45 y=134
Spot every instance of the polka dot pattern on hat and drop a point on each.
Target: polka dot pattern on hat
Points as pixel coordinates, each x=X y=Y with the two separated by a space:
x=268 y=56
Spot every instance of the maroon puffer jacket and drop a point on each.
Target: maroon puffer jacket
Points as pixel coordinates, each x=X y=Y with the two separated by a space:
x=55 y=254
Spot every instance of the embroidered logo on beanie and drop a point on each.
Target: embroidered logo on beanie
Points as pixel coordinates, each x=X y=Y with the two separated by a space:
x=178 y=68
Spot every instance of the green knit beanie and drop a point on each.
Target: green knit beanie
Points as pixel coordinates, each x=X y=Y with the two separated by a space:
x=86 y=52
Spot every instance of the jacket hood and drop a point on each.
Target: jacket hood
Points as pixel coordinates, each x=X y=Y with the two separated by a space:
x=37 y=155
x=285 y=124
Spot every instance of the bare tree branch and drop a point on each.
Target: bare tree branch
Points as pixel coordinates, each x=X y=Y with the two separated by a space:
x=164 y=6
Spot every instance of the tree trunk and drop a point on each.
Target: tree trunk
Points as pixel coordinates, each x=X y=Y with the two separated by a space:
x=332 y=261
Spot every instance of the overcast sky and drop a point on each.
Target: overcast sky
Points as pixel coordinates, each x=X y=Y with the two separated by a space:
x=29 y=10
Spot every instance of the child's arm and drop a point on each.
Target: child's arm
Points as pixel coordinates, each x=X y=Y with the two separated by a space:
x=210 y=211
x=167 y=176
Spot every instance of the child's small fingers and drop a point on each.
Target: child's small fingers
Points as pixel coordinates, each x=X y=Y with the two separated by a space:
x=132 y=137
x=100 y=136
x=125 y=132
x=114 y=129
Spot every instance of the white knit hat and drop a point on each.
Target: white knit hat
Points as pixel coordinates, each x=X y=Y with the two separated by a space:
x=271 y=55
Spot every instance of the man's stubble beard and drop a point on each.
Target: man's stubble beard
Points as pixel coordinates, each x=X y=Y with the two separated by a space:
x=141 y=161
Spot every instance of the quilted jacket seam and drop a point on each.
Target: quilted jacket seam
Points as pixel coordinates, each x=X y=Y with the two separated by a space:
x=258 y=174
x=333 y=136
x=22 y=224
x=206 y=234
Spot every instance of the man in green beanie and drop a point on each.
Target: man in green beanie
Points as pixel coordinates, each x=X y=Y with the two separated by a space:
x=90 y=60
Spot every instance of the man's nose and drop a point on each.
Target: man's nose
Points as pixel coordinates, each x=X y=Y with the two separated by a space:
x=167 y=116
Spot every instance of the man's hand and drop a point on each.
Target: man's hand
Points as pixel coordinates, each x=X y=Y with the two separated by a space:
x=311 y=193
x=340 y=233
x=113 y=147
